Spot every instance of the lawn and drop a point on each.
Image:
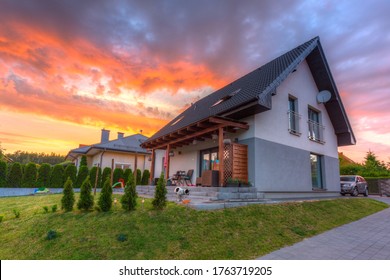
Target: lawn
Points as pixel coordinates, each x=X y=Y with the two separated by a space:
x=174 y=233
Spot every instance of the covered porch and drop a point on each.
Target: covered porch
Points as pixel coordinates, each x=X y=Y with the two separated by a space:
x=223 y=157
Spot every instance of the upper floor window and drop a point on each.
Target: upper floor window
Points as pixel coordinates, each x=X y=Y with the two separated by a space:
x=315 y=131
x=293 y=116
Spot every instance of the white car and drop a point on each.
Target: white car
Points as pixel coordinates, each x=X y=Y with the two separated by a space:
x=353 y=185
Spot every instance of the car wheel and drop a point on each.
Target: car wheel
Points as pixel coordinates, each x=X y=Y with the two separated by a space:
x=343 y=194
x=355 y=192
x=366 y=192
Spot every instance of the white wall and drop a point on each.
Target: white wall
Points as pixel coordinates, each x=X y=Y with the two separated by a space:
x=272 y=125
x=121 y=158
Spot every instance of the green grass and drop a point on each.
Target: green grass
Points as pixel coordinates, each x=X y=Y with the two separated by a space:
x=174 y=233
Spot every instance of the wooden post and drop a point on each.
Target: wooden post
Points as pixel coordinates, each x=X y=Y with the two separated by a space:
x=168 y=161
x=152 y=169
x=220 y=157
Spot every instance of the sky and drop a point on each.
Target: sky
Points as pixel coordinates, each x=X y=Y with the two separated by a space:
x=70 y=68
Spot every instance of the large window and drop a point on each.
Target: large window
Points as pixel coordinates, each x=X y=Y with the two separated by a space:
x=315 y=132
x=209 y=160
x=316 y=171
x=293 y=116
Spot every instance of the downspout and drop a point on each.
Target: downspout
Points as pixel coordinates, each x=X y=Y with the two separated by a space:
x=101 y=157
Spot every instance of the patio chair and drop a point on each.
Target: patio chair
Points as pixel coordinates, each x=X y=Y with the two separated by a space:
x=188 y=178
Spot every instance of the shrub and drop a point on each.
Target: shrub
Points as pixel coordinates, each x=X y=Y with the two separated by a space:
x=160 y=195
x=105 y=198
x=44 y=172
x=16 y=213
x=139 y=177
x=51 y=234
x=3 y=174
x=54 y=208
x=68 y=199
x=106 y=174
x=118 y=174
x=46 y=209
x=129 y=198
x=29 y=179
x=70 y=172
x=145 y=177
x=86 y=198
x=57 y=177
x=15 y=176
x=126 y=174
x=83 y=161
x=92 y=176
x=81 y=176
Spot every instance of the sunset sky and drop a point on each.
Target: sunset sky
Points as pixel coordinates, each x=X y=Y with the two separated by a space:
x=70 y=68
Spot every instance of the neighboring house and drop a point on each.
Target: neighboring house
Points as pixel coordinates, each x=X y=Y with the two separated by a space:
x=123 y=152
x=272 y=127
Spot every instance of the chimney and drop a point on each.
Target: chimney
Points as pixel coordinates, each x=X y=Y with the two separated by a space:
x=120 y=135
x=105 y=136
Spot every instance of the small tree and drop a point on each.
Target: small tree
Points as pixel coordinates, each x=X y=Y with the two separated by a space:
x=83 y=161
x=106 y=174
x=68 y=199
x=139 y=177
x=86 y=198
x=57 y=177
x=3 y=173
x=105 y=198
x=145 y=177
x=160 y=195
x=43 y=179
x=118 y=174
x=92 y=176
x=129 y=199
x=81 y=176
x=15 y=176
x=71 y=172
x=29 y=179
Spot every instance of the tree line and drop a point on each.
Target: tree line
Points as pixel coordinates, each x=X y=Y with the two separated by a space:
x=371 y=167
x=32 y=175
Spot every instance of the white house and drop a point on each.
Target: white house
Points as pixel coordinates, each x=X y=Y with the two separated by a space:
x=278 y=127
x=122 y=152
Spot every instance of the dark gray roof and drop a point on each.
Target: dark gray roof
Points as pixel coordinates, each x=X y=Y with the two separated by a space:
x=130 y=144
x=252 y=93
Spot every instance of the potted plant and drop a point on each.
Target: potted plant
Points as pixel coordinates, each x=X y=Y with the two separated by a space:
x=235 y=182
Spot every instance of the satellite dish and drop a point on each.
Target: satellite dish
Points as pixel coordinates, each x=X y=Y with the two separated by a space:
x=323 y=96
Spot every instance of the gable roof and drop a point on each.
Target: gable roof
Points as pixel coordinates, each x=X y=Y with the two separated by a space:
x=129 y=144
x=252 y=93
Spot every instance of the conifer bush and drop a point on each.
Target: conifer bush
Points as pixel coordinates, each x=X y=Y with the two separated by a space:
x=126 y=174
x=71 y=172
x=118 y=174
x=86 y=200
x=68 y=199
x=81 y=176
x=160 y=195
x=83 y=161
x=145 y=177
x=129 y=199
x=3 y=174
x=57 y=177
x=15 y=176
x=29 y=179
x=139 y=177
x=44 y=172
x=92 y=177
x=105 y=198
x=106 y=174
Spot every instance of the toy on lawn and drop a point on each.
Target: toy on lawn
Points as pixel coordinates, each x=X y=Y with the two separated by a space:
x=119 y=184
x=41 y=190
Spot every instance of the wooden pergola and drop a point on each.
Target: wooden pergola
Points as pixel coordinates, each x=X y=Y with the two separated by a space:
x=199 y=131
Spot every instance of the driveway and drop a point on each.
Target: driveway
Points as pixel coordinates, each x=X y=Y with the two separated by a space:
x=365 y=239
